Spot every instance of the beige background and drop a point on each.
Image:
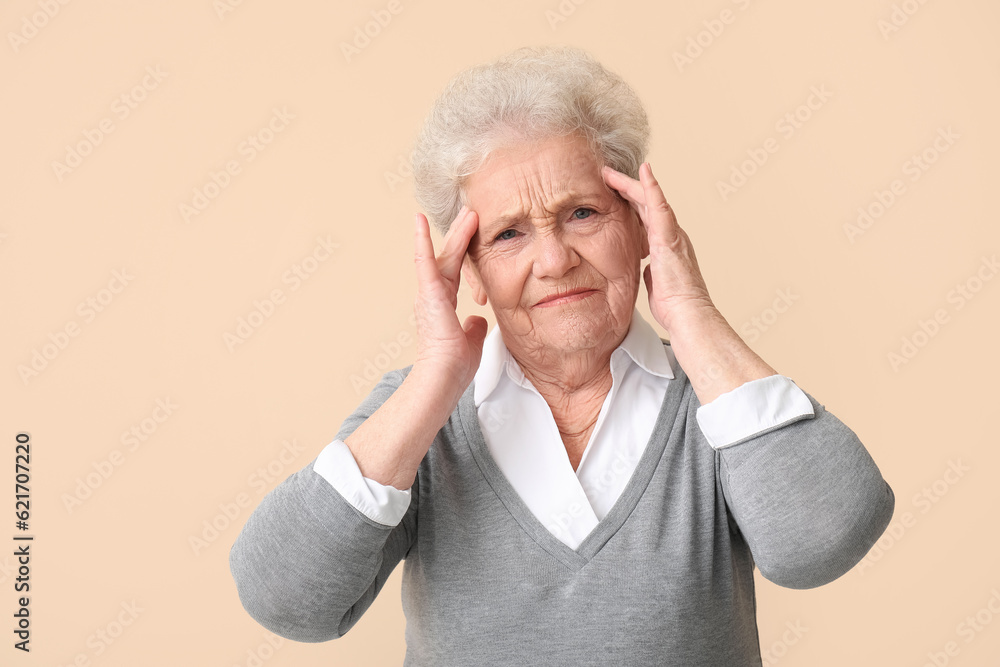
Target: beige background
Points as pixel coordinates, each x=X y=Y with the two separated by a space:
x=336 y=171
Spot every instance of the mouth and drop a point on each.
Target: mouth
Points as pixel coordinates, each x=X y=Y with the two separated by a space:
x=561 y=298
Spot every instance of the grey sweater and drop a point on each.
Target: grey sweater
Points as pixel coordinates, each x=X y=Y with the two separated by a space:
x=666 y=578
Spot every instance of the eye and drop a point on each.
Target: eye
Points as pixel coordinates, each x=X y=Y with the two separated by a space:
x=582 y=213
x=501 y=237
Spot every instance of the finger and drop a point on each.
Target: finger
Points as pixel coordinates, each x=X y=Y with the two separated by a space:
x=475 y=327
x=457 y=243
x=423 y=257
x=429 y=283
x=455 y=224
x=629 y=188
x=661 y=224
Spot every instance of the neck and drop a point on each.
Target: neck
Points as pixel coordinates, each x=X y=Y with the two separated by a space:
x=574 y=386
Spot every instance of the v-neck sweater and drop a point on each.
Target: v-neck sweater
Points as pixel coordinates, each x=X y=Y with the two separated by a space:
x=665 y=578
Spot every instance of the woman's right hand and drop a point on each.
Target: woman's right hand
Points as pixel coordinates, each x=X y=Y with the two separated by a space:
x=444 y=346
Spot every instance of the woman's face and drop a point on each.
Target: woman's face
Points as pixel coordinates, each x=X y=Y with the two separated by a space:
x=548 y=224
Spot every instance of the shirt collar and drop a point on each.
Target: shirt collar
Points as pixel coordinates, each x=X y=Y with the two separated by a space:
x=641 y=343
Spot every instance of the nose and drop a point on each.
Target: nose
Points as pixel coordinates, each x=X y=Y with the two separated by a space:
x=554 y=256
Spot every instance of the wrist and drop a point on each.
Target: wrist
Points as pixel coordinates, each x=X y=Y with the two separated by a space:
x=438 y=385
x=391 y=443
x=714 y=357
x=691 y=317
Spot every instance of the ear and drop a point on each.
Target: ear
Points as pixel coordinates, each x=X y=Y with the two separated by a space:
x=471 y=275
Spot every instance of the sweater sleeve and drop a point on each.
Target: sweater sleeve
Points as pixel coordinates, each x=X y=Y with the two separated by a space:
x=807 y=497
x=308 y=563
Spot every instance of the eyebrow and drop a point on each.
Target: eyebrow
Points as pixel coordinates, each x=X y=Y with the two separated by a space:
x=505 y=220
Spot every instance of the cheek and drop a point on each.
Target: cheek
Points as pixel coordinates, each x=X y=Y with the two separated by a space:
x=618 y=252
x=503 y=280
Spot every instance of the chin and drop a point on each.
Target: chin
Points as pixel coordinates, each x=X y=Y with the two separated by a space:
x=569 y=332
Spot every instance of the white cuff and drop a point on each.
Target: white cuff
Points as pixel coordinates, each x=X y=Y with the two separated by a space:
x=759 y=405
x=382 y=504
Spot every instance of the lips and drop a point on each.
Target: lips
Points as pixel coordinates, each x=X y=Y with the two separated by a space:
x=560 y=295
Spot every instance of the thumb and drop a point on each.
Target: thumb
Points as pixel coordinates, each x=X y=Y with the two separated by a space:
x=475 y=329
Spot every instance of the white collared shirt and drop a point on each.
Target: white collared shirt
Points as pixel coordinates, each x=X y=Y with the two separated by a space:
x=525 y=442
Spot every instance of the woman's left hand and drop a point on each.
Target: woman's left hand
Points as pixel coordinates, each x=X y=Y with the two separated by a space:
x=673 y=280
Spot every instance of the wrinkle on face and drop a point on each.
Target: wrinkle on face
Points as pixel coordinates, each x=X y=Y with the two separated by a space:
x=533 y=189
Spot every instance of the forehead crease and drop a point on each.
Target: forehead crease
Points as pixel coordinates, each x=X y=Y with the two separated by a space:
x=517 y=211
x=544 y=189
x=544 y=186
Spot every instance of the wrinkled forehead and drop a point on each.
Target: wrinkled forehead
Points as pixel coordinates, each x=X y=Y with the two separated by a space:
x=546 y=175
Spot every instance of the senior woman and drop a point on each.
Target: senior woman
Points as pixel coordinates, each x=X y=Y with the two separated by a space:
x=569 y=489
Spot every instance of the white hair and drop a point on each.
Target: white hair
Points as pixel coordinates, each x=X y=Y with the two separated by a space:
x=530 y=94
